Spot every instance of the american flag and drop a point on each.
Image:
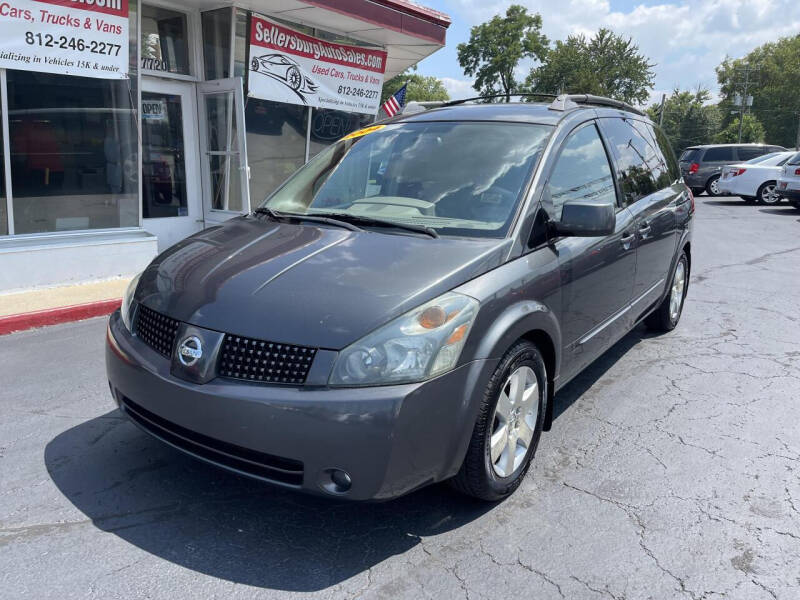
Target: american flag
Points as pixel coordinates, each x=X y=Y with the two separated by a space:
x=393 y=105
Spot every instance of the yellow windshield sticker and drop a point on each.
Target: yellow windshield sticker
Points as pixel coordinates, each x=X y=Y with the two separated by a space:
x=364 y=131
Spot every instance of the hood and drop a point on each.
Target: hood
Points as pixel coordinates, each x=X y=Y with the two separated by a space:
x=304 y=284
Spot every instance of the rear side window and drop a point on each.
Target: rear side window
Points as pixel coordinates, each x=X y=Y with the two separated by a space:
x=690 y=155
x=720 y=154
x=581 y=172
x=795 y=160
x=748 y=152
x=637 y=160
x=667 y=155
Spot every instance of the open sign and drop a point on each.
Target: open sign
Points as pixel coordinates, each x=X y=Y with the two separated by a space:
x=153 y=109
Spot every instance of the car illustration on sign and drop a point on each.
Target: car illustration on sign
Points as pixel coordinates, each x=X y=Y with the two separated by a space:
x=282 y=68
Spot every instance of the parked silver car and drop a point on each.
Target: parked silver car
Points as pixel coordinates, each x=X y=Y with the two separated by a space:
x=701 y=166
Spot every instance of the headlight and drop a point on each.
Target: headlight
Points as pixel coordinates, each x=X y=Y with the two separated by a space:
x=127 y=301
x=416 y=346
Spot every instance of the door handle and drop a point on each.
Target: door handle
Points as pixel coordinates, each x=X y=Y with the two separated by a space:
x=644 y=229
x=626 y=239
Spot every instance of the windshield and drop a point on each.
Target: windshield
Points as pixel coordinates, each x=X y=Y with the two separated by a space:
x=462 y=178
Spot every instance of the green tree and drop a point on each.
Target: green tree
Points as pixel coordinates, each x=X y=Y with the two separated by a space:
x=605 y=65
x=688 y=118
x=421 y=88
x=496 y=47
x=773 y=83
x=752 y=131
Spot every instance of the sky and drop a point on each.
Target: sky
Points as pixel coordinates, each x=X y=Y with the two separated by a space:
x=686 y=39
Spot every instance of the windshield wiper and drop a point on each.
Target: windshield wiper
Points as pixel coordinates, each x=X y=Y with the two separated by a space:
x=278 y=216
x=365 y=220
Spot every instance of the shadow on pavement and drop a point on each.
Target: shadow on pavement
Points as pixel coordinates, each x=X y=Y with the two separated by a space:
x=572 y=392
x=731 y=202
x=780 y=210
x=230 y=527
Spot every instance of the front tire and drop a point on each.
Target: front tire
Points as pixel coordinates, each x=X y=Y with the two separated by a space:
x=712 y=186
x=697 y=191
x=508 y=426
x=665 y=318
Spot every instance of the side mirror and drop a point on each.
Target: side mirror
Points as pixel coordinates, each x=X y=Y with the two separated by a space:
x=586 y=219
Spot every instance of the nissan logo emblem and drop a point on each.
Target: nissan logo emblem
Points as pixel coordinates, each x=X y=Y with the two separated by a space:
x=190 y=351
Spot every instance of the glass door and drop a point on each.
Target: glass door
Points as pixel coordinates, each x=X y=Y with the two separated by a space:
x=170 y=161
x=226 y=177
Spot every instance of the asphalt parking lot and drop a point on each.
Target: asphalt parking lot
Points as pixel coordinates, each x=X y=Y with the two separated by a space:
x=672 y=471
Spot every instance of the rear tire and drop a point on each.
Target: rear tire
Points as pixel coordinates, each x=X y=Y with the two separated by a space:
x=668 y=313
x=766 y=193
x=501 y=432
x=712 y=186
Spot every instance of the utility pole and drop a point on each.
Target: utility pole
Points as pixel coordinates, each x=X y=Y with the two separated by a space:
x=797 y=140
x=745 y=99
x=663 y=105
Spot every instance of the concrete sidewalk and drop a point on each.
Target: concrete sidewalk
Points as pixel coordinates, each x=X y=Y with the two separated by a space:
x=47 y=306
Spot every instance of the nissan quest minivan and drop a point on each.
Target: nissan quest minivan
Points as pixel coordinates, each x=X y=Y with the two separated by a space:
x=404 y=308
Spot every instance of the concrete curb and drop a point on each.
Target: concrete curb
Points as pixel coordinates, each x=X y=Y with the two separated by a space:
x=61 y=314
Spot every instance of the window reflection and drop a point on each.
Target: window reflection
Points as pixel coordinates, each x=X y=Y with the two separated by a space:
x=636 y=158
x=165 y=44
x=163 y=168
x=328 y=125
x=3 y=200
x=73 y=153
x=582 y=172
x=276 y=144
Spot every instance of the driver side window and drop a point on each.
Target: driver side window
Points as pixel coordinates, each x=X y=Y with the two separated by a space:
x=582 y=172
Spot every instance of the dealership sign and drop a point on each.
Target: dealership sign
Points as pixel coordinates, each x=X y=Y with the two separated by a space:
x=289 y=66
x=70 y=37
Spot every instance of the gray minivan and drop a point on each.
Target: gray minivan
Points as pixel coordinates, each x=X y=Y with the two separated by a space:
x=701 y=166
x=404 y=308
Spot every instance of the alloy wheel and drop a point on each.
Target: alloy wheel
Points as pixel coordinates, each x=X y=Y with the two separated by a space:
x=768 y=195
x=676 y=294
x=514 y=421
x=714 y=185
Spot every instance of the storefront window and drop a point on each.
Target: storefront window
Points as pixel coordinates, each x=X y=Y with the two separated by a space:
x=240 y=44
x=276 y=144
x=217 y=43
x=329 y=125
x=73 y=153
x=3 y=198
x=165 y=40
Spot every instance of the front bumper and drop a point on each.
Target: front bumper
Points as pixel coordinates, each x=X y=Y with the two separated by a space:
x=390 y=440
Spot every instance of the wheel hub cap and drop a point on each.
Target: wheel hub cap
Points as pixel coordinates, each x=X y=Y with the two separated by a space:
x=676 y=293
x=514 y=421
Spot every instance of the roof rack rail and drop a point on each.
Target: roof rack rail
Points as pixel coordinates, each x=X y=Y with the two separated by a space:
x=560 y=102
x=567 y=101
x=489 y=97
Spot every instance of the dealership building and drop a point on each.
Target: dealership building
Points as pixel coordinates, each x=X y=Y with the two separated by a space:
x=128 y=126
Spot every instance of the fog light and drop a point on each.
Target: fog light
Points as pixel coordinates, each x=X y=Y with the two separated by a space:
x=335 y=481
x=341 y=480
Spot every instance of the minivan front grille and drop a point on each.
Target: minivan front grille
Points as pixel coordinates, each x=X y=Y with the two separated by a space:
x=247 y=461
x=156 y=330
x=267 y=362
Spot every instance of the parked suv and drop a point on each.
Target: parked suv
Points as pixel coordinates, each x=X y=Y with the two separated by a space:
x=788 y=185
x=701 y=166
x=403 y=309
